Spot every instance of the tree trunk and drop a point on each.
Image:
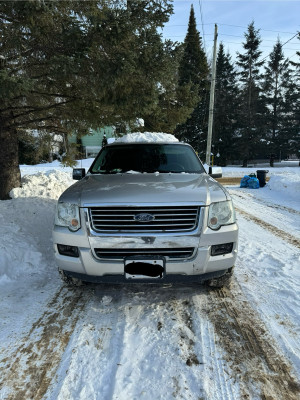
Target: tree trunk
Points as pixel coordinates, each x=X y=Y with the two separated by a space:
x=10 y=176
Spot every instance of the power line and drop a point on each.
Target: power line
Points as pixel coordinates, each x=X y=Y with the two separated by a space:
x=223 y=34
x=261 y=29
x=281 y=45
x=236 y=26
x=289 y=39
x=295 y=54
x=201 y=15
x=225 y=42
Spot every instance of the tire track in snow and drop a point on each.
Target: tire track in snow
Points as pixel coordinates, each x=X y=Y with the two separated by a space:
x=196 y=341
x=218 y=384
x=245 y=196
x=28 y=372
x=89 y=365
x=187 y=337
x=276 y=231
x=158 y=358
x=251 y=352
x=112 y=341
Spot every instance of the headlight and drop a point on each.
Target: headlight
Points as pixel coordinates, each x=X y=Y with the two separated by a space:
x=67 y=214
x=221 y=213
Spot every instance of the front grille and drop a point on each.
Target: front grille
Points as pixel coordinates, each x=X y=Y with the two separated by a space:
x=120 y=254
x=160 y=219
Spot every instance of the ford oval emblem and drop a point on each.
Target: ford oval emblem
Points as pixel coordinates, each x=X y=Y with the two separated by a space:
x=144 y=217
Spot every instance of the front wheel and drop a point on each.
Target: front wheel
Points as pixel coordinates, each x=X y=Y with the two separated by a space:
x=222 y=281
x=69 y=280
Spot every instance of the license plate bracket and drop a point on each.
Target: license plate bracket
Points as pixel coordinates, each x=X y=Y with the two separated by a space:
x=143 y=267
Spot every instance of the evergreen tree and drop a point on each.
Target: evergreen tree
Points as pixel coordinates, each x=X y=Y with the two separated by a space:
x=289 y=141
x=175 y=101
x=194 y=70
x=226 y=93
x=293 y=96
x=67 y=66
x=297 y=64
x=193 y=66
x=278 y=92
x=251 y=110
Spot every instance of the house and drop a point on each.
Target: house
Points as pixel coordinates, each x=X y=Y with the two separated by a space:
x=91 y=144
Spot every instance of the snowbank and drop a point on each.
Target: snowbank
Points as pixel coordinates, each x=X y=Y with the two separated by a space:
x=49 y=184
x=287 y=182
x=24 y=261
x=277 y=170
x=55 y=166
x=26 y=225
x=147 y=137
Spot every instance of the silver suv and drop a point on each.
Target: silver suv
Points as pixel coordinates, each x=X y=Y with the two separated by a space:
x=145 y=212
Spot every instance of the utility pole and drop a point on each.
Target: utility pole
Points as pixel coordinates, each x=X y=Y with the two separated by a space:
x=211 y=99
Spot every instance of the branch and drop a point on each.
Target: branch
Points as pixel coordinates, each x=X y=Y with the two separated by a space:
x=55 y=128
x=52 y=94
x=43 y=108
x=11 y=108
x=4 y=17
x=25 y=124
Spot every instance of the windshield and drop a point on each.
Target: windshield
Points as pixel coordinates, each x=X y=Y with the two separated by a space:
x=148 y=158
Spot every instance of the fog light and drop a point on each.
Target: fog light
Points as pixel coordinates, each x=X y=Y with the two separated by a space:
x=65 y=250
x=219 y=249
x=74 y=223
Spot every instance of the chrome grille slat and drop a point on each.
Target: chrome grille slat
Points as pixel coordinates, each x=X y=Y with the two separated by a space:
x=118 y=254
x=166 y=219
x=148 y=209
x=132 y=215
x=145 y=225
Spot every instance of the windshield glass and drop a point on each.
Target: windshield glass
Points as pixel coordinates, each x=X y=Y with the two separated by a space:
x=150 y=158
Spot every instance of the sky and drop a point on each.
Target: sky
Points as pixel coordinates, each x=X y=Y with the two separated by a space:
x=274 y=18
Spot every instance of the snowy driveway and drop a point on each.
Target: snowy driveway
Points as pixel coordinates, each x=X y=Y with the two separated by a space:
x=151 y=342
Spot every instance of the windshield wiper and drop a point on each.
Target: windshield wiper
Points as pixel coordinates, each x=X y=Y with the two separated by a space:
x=107 y=172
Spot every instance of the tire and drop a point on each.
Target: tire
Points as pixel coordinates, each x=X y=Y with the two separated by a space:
x=222 y=281
x=69 y=280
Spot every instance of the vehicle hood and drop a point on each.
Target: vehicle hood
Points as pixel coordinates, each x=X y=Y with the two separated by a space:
x=121 y=189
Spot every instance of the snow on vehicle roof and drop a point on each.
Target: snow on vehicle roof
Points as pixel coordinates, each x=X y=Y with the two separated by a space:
x=147 y=137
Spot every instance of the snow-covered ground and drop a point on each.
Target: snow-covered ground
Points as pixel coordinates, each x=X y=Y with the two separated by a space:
x=151 y=342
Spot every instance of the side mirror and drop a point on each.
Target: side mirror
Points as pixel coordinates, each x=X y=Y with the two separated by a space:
x=78 y=173
x=215 y=172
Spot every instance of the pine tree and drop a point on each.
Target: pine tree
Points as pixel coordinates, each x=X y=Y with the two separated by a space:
x=175 y=102
x=293 y=98
x=226 y=93
x=69 y=66
x=278 y=91
x=297 y=64
x=289 y=141
x=251 y=110
x=194 y=69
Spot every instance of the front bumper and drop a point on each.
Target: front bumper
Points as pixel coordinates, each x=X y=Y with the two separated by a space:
x=200 y=265
x=172 y=278
x=91 y=268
